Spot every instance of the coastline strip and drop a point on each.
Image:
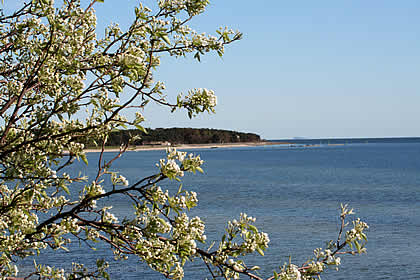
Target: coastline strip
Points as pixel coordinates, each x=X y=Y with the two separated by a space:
x=191 y=146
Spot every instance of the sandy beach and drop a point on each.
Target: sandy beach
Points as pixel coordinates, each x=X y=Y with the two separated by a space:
x=191 y=146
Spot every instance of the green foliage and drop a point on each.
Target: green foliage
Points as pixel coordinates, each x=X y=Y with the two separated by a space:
x=61 y=85
x=175 y=135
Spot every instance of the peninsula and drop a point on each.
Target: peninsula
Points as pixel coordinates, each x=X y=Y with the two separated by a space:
x=182 y=138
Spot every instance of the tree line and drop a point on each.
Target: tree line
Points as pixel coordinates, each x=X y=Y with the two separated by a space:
x=178 y=135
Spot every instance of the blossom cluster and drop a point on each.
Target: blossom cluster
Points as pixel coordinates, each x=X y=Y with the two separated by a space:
x=183 y=232
x=119 y=180
x=198 y=100
x=170 y=168
x=192 y=7
x=290 y=272
x=356 y=236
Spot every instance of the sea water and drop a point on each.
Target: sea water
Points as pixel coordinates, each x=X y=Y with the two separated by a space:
x=295 y=194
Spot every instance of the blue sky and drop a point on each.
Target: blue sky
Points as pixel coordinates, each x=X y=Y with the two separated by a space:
x=309 y=69
x=304 y=68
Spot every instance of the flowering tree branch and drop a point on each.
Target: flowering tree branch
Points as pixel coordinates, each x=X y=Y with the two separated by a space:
x=60 y=84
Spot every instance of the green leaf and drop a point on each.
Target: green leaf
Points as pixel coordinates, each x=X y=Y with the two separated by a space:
x=225 y=37
x=84 y=158
x=238 y=36
x=197 y=56
x=253 y=228
x=144 y=103
x=166 y=39
x=66 y=189
x=139 y=127
x=199 y=169
x=261 y=252
x=29 y=194
x=357 y=246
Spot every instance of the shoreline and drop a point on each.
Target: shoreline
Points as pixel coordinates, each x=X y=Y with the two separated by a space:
x=190 y=146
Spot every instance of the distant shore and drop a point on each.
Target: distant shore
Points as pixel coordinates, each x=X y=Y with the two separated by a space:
x=190 y=146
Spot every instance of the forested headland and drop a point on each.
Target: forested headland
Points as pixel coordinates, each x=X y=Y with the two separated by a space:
x=176 y=135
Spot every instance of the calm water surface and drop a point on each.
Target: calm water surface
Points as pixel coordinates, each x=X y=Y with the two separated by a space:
x=295 y=194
